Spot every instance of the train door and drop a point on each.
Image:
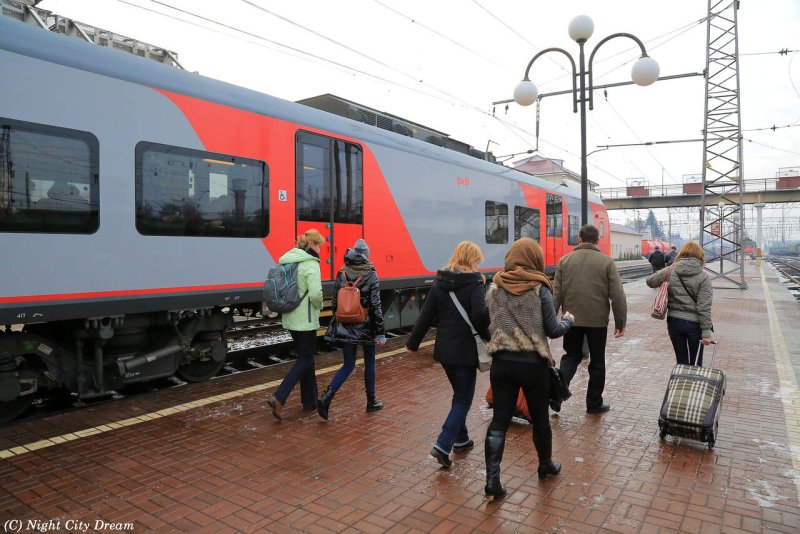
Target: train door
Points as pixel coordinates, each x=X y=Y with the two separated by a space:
x=554 y=229
x=329 y=190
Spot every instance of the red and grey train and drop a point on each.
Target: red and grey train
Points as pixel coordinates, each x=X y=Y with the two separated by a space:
x=141 y=205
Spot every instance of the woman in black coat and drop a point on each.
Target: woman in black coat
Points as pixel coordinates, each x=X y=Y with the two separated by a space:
x=455 y=346
x=357 y=268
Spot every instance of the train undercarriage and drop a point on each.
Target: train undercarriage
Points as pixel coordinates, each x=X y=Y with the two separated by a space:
x=95 y=357
x=99 y=356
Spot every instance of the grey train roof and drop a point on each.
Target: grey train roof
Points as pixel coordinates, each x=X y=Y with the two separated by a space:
x=27 y=40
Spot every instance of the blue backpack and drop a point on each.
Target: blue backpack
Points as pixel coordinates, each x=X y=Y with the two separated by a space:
x=281 y=294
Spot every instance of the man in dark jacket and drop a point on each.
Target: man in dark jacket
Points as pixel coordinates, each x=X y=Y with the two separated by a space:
x=670 y=258
x=657 y=259
x=588 y=285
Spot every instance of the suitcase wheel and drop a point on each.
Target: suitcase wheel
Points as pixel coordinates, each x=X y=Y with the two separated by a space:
x=662 y=434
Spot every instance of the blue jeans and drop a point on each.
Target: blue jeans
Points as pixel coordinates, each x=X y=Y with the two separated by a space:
x=349 y=353
x=685 y=336
x=454 y=429
x=302 y=371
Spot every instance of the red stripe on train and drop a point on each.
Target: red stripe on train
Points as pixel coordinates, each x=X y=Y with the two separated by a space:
x=127 y=293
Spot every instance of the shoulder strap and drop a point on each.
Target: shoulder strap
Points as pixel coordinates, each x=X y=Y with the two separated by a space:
x=463 y=312
x=687 y=290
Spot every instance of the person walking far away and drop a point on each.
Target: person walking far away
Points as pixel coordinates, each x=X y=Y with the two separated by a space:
x=690 y=295
x=302 y=323
x=455 y=346
x=671 y=255
x=588 y=284
x=359 y=270
x=657 y=259
x=522 y=317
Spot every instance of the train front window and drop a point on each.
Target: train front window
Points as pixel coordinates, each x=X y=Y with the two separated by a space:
x=48 y=179
x=185 y=192
x=526 y=223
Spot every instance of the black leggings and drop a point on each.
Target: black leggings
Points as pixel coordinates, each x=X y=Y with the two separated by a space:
x=507 y=377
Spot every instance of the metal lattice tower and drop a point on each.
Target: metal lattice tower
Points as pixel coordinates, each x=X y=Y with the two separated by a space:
x=26 y=11
x=723 y=226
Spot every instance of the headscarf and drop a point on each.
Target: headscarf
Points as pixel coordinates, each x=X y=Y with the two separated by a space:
x=524 y=268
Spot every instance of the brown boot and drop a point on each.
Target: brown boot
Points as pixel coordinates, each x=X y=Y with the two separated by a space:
x=277 y=407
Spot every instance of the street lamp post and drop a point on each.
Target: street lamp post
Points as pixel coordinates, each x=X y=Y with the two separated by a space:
x=644 y=72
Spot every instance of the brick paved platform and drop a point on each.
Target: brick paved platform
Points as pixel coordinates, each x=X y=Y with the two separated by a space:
x=210 y=458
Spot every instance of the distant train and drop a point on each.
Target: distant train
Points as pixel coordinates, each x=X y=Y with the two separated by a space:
x=792 y=249
x=650 y=245
x=142 y=205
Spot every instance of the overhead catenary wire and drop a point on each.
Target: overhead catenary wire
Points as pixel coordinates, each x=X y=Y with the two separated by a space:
x=453 y=99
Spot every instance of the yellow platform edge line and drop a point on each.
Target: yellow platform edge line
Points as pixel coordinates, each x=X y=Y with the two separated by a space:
x=164 y=412
x=790 y=395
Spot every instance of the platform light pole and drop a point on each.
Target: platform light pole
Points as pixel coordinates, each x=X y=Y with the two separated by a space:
x=644 y=72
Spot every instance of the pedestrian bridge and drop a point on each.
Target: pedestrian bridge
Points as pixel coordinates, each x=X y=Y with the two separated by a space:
x=768 y=191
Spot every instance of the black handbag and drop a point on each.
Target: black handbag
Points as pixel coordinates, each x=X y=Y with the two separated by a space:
x=559 y=391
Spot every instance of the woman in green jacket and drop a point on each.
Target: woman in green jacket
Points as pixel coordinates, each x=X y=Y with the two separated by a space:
x=302 y=323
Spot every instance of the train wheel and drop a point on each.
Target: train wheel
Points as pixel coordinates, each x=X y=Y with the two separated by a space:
x=199 y=371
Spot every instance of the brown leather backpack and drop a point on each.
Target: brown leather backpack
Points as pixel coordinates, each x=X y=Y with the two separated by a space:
x=348 y=303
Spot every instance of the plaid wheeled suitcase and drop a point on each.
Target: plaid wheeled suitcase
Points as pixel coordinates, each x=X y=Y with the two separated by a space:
x=693 y=402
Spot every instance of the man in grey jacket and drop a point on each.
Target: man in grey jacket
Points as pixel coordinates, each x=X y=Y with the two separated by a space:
x=588 y=285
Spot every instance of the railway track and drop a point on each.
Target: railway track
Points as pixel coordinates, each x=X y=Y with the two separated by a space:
x=790 y=269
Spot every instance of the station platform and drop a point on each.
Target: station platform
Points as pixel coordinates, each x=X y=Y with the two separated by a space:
x=210 y=457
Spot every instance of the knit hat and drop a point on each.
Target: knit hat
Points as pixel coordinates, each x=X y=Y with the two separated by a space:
x=361 y=248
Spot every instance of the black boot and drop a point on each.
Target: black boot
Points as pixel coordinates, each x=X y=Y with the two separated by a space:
x=373 y=404
x=324 y=402
x=544 y=449
x=548 y=469
x=493 y=450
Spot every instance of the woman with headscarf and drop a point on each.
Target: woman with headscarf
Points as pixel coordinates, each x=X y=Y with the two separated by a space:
x=522 y=318
x=359 y=270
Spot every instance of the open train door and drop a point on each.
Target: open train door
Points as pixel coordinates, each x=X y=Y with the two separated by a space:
x=329 y=190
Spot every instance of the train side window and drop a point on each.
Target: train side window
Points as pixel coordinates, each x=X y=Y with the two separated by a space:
x=554 y=216
x=574 y=224
x=348 y=179
x=496 y=222
x=313 y=177
x=526 y=223
x=48 y=179
x=187 y=192
x=329 y=177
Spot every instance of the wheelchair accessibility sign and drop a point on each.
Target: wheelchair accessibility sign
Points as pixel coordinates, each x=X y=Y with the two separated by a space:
x=282 y=195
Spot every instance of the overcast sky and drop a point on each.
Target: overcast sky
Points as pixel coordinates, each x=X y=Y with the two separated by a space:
x=442 y=64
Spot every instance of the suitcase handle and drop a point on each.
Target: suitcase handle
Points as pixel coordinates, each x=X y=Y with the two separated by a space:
x=713 y=354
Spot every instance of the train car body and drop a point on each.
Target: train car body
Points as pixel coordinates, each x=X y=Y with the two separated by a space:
x=140 y=204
